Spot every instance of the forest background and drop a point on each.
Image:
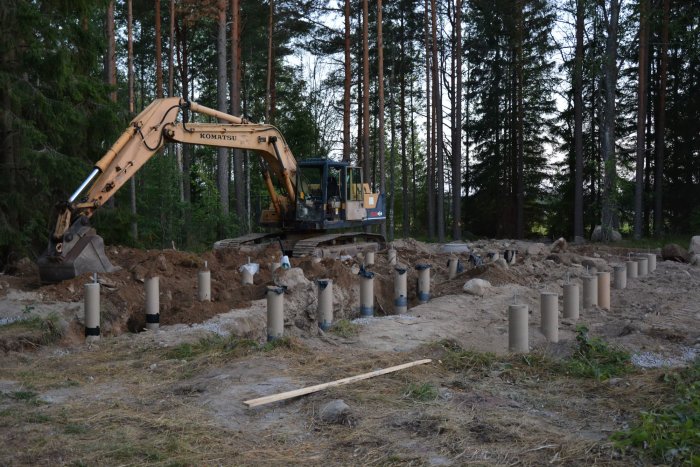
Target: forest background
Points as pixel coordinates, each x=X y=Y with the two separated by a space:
x=500 y=118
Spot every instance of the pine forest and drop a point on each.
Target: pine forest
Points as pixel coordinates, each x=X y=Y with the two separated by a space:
x=476 y=118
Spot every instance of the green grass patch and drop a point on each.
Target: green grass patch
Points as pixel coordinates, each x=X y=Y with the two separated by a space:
x=214 y=344
x=44 y=330
x=345 y=328
x=424 y=392
x=466 y=361
x=671 y=434
x=595 y=358
x=27 y=396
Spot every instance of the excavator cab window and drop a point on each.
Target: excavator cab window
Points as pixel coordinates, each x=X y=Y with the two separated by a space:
x=354 y=183
x=309 y=185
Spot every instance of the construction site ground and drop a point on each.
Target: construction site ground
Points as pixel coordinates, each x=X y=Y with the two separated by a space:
x=176 y=396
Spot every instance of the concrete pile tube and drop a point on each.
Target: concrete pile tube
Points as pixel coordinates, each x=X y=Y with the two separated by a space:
x=275 y=312
x=246 y=277
x=632 y=269
x=324 y=314
x=366 y=293
x=204 y=286
x=642 y=266
x=549 y=309
x=620 y=276
x=604 y=290
x=590 y=291
x=392 y=257
x=369 y=258
x=152 y=303
x=423 y=282
x=518 y=340
x=92 y=312
x=652 y=261
x=400 y=290
x=571 y=301
x=452 y=266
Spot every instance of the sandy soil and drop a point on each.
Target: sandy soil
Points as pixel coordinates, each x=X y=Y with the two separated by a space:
x=131 y=383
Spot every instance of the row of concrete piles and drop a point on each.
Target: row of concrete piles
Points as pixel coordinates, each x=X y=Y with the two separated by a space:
x=275 y=295
x=596 y=292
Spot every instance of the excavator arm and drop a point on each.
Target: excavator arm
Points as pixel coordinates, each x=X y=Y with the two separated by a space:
x=75 y=248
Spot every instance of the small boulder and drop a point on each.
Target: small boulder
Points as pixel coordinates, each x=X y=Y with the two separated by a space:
x=559 y=246
x=533 y=249
x=674 y=252
x=599 y=264
x=597 y=235
x=695 y=260
x=694 y=247
x=292 y=278
x=476 y=287
x=337 y=412
x=501 y=263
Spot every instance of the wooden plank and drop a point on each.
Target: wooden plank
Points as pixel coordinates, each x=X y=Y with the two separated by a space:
x=339 y=382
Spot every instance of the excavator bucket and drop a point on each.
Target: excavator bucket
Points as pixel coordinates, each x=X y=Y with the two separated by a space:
x=81 y=251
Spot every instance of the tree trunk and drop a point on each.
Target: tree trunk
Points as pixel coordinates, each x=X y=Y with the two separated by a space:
x=159 y=51
x=430 y=212
x=365 y=91
x=238 y=175
x=132 y=107
x=437 y=100
x=519 y=129
x=392 y=164
x=457 y=128
x=578 y=123
x=661 y=124
x=270 y=94
x=609 y=200
x=346 y=86
x=222 y=159
x=111 y=59
x=181 y=32
x=380 y=78
x=171 y=52
x=641 y=118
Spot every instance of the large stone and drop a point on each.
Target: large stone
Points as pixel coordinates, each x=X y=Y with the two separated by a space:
x=336 y=411
x=597 y=235
x=695 y=260
x=476 y=287
x=599 y=264
x=559 y=245
x=674 y=252
x=533 y=248
x=292 y=278
x=694 y=248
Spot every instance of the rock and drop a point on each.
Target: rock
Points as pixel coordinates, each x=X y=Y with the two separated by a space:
x=695 y=260
x=597 y=235
x=292 y=277
x=694 y=247
x=674 y=252
x=559 y=245
x=501 y=263
x=162 y=263
x=476 y=287
x=599 y=264
x=336 y=411
x=455 y=247
x=533 y=249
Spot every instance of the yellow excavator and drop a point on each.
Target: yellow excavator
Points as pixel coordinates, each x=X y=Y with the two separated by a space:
x=312 y=202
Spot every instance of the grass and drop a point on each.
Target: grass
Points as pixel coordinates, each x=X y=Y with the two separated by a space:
x=424 y=392
x=43 y=330
x=214 y=344
x=458 y=359
x=671 y=434
x=594 y=358
x=345 y=328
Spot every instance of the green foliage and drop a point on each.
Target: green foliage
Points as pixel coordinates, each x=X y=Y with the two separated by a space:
x=345 y=328
x=467 y=361
x=594 y=358
x=424 y=392
x=45 y=330
x=214 y=344
x=670 y=434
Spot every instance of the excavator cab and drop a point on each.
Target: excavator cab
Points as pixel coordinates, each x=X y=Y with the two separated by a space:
x=332 y=195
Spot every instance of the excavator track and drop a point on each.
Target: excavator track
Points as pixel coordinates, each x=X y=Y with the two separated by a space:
x=249 y=239
x=334 y=245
